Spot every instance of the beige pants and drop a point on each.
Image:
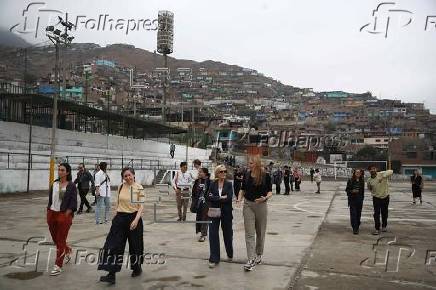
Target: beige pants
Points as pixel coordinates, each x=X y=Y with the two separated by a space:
x=255 y=218
x=182 y=202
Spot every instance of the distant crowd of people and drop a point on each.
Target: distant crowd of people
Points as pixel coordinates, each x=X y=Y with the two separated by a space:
x=212 y=201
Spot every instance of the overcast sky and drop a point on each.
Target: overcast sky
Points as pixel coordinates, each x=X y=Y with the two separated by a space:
x=305 y=43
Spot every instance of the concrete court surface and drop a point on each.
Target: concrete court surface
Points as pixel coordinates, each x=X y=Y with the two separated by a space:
x=309 y=245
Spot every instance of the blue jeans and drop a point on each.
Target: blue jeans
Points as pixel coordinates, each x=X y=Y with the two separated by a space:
x=102 y=201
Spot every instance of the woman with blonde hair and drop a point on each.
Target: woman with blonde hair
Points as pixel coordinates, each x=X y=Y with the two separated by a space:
x=256 y=190
x=220 y=211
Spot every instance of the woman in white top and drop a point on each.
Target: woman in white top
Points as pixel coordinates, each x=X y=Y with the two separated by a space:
x=102 y=194
x=62 y=203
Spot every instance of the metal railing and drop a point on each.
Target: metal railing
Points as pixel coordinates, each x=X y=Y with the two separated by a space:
x=114 y=163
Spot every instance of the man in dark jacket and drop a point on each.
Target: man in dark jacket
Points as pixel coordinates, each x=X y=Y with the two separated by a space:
x=277 y=179
x=83 y=179
x=287 y=179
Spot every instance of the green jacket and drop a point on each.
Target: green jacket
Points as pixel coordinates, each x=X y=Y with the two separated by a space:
x=379 y=185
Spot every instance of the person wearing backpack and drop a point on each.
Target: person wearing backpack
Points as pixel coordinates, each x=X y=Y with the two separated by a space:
x=182 y=183
x=102 y=193
x=127 y=226
x=84 y=177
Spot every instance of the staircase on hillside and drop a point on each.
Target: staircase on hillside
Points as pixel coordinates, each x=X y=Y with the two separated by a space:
x=160 y=176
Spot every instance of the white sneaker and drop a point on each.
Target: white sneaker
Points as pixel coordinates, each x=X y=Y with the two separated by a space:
x=56 y=270
x=258 y=259
x=212 y=265
x=250 y=265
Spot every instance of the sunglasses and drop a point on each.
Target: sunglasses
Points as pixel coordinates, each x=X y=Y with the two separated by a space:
x=223 y=171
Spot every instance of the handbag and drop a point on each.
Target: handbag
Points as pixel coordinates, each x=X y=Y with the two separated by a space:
x=214 y=212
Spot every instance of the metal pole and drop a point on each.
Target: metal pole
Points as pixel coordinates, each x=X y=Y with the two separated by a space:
x=86 y=87
x=107 y=129
x=54 y=118
x=164 y=97
x=29 y=158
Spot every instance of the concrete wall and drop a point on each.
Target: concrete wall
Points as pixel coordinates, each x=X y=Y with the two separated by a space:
x=14 y=138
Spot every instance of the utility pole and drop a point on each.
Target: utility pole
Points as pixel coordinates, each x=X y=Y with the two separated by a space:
x=57 y=39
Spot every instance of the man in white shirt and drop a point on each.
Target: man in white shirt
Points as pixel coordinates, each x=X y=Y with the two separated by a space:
x=182 y=183
x=102 y=193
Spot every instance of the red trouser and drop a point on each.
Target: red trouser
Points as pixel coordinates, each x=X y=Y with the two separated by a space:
x=59 y=224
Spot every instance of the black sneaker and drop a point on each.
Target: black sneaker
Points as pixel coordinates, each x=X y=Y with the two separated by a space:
x=79 y=212
x=89 y=210
x=250 y=265
x=376 y=233
x=136 y=272
x=109 y=278
x=355 y=232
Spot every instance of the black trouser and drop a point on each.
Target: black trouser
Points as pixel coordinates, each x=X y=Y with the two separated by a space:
x=291 y=182
x=380 y=207
x=278 y=187
x=236 y=187
x=286 y=181
x=355 y=204
x=214 y=237
x=201 y=216
x=83 y=201
x=172 y=154
x=297 y=185
x=111 y=256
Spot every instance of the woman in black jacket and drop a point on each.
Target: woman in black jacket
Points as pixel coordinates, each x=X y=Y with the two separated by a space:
x=355 y=192
x=199 y=205
x=62 y=203
x=220 y=197
x=417 y=185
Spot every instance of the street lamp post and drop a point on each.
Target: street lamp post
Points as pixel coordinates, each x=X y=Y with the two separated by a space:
x=57 y=39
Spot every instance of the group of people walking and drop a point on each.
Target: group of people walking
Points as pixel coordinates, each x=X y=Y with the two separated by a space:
x=292 y=178
x=212 y=202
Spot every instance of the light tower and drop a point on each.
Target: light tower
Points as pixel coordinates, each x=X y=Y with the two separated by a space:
x=165 y=36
